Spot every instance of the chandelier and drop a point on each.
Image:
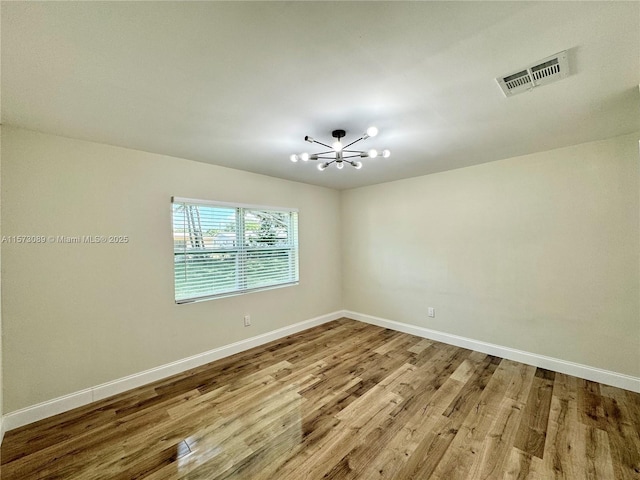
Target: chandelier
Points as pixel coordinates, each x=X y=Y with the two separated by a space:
x=340 y=154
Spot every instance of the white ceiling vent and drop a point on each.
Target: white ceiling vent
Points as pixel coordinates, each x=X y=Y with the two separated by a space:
x=549 y=70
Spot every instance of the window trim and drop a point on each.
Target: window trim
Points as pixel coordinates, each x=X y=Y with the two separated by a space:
x=245 y=206
x=231 y=204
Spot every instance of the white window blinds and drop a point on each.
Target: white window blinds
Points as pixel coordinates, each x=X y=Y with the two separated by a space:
x=223 y=249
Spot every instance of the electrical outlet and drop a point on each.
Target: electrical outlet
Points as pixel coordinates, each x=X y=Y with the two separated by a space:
x=431 y=312
x=247 y=320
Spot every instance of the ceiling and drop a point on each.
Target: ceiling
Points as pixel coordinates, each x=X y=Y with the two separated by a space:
x=240 y=84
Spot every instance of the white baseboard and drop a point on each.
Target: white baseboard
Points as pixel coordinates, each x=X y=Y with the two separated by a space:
x=65 y=403
x=570 y=368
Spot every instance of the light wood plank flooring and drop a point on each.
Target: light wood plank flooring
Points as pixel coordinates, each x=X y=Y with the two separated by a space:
x=343 y=400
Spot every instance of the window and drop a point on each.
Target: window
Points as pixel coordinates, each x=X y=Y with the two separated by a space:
x=222 y=249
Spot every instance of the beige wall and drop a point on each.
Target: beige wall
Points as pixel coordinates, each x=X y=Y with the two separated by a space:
x=79 y=315
x=1 y=353
x=538 y=253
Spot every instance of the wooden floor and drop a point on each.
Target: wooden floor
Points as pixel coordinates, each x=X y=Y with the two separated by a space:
x=343 y=400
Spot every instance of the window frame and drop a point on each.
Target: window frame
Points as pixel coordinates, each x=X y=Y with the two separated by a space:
x=242 y=249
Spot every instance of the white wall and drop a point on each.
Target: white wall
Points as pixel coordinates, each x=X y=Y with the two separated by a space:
x=79 y=315
x=537 y=253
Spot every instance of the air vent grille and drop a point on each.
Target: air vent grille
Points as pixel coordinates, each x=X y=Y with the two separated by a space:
x=517 y=80
x=551 y=69
x=545 y=69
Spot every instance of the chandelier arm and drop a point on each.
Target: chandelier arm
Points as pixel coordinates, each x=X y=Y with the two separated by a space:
x=323 y=144
x=326 y=158
x=324 y=153
x=352 y=151
x=355 y=141
x=352 y=156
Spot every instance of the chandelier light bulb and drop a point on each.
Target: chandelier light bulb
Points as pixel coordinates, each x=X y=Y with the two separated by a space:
x=373 y=153
x=304 y=157
x=337 y=146
x=372 y=131
x=386 y=153
x=309 y=139
x=322 y=166
x=339 y=165
x=293 y=158
x=358 y=165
